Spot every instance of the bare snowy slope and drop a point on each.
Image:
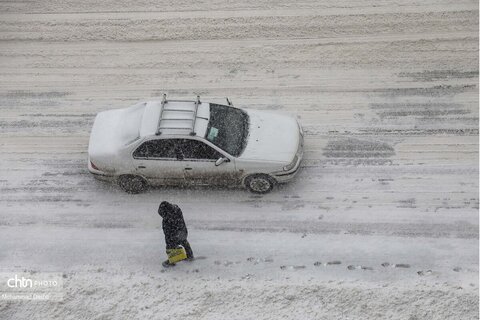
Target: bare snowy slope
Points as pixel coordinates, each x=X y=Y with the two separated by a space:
x=381 y=222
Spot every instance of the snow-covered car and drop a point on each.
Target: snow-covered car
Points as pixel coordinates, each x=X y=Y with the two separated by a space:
x=179 y=142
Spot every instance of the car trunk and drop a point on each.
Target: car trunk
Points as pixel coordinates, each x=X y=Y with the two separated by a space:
x=112 y=130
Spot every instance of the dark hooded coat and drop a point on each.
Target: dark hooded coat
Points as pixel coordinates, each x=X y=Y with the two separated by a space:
x=173 y=224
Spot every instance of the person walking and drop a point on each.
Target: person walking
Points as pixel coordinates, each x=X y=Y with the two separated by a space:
x=175 y=231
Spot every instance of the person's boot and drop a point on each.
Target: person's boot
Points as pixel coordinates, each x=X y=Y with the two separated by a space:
x=167 y=264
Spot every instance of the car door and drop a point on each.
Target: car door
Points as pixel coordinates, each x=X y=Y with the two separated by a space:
x=157 y=160
x=198 y=160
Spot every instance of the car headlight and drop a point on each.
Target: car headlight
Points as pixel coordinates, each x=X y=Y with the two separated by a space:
x=290 y=166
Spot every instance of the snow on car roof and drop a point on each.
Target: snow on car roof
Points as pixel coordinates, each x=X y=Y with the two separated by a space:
x=177 y=118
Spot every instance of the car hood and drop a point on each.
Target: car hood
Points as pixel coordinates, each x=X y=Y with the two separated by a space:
x=272 y=137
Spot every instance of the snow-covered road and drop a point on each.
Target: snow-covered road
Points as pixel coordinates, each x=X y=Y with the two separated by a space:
x=388 y=97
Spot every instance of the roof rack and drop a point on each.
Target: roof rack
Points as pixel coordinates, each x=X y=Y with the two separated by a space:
x=194 y=111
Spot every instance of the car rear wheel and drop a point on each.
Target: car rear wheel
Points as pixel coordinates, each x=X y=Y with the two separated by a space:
x=259 y=183
x=132 y=184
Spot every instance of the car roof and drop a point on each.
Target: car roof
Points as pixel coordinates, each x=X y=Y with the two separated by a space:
x=175 y=117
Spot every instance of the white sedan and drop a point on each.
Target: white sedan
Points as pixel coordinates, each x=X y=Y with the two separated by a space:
x=178 y=142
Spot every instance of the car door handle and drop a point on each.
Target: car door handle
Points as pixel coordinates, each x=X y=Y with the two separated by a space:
x=188 y=168
x=141 y=167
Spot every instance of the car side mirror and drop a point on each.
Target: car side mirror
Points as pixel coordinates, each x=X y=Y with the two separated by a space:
x=220 y=161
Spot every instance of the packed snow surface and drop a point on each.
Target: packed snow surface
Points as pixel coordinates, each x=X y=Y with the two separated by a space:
x=380 y=223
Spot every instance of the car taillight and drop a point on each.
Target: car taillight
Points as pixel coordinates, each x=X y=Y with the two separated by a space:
x=93 y=166
x=291 y=165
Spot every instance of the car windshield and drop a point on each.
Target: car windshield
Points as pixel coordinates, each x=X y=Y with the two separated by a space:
x=227 y=128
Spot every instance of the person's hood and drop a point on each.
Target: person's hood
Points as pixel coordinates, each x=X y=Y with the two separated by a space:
x=166 y=209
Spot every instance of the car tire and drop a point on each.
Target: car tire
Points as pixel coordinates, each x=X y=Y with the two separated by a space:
x=259 y=183
x=132 y=184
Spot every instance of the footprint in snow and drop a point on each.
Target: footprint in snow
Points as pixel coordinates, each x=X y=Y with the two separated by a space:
x=224 y=263
x=352 y=267
x=329 y=263
x=258 y=260
x=193 y=271
x=401 y=265
x=397 y=265
x=292 y=267
x=424 y=273
x=200 y=258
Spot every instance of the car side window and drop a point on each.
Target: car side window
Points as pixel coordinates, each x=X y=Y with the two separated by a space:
x=142 y=151
x=197 y=150
x=161 y=148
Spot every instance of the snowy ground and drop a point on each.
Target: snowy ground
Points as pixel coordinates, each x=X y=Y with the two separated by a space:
x=387 y=92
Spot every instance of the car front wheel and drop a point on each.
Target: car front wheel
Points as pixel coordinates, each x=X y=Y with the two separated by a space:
x=132 y=184
x=259 y=183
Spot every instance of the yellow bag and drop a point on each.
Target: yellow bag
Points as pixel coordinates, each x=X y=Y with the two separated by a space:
x=176 y=255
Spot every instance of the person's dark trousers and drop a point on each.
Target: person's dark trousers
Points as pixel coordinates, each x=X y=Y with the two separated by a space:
x=187 y=248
